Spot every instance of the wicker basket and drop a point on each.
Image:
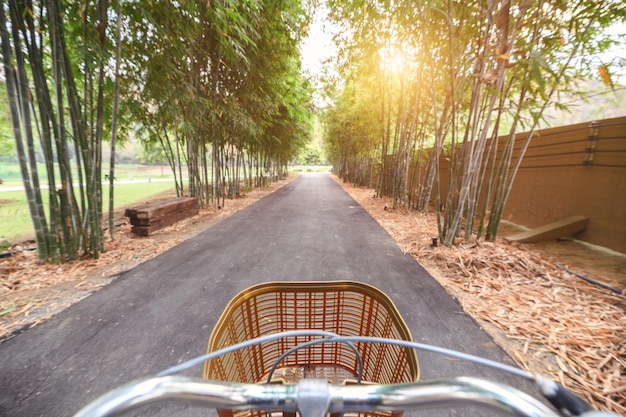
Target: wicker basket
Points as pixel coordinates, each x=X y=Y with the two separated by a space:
x=343 y=307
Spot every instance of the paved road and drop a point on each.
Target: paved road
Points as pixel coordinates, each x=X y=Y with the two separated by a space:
x=161 y=312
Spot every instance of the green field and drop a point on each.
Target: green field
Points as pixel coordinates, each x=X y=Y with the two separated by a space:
x=15 y=221
x=10 y=172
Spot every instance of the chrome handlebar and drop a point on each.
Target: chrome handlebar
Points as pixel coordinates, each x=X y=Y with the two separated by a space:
x=315 y=398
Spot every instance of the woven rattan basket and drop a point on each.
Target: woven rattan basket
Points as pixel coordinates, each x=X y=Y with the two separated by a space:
x=342 y=307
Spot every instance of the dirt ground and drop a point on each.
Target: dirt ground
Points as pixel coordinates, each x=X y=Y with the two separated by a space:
x=546 y=318
x=600 y=262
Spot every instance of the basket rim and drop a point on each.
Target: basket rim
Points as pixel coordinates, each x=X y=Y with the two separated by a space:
x=316 y=286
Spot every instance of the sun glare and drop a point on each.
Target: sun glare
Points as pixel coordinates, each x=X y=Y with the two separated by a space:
x=391 y=59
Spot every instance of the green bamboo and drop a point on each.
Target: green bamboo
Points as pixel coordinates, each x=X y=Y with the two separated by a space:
x=45 y=125
x=13 y=92
x=114 y=117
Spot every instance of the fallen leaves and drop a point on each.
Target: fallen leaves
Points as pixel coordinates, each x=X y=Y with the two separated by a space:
x=554 y=323
x=37 y=291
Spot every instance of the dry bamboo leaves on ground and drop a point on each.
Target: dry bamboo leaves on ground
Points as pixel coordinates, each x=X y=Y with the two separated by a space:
x=553 y=323
x=31 y=292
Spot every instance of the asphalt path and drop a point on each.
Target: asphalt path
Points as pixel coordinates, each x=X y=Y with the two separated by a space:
x=161 y=312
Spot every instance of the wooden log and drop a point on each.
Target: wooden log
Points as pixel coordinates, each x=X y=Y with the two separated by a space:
x=148 y=210
x=145 y=230
x=561 y=228
x=187 y=212
x=151 y=217
x=165 y=208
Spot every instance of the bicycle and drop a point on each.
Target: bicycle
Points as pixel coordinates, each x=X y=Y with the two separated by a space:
x=315 y=348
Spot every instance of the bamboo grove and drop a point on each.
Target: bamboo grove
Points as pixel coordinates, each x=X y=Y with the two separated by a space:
x=214 y=87
x=424 y=90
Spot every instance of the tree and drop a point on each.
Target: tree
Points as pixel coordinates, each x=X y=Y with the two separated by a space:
x=219 y=88
x=153 y=153
x=114 y=117
x=311 y=155
x=60 y=115
x=7 y=144
x=214 y=86
x=447 y=78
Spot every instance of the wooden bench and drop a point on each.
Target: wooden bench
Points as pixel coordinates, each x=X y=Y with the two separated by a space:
x=152 y=217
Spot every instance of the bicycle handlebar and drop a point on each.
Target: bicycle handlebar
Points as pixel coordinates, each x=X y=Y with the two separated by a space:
x=315 y=398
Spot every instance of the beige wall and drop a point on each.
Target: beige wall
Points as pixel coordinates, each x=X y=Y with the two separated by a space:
x=557 y=179
x=553 y=182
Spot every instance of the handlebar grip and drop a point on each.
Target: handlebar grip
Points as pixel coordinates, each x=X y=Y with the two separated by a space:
x=562 y=398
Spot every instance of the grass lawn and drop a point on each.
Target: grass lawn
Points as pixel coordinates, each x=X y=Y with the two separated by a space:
x=15 y=221
x=10 y=172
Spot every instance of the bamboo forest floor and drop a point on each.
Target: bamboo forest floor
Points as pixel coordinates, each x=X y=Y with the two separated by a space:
x=547 y=319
